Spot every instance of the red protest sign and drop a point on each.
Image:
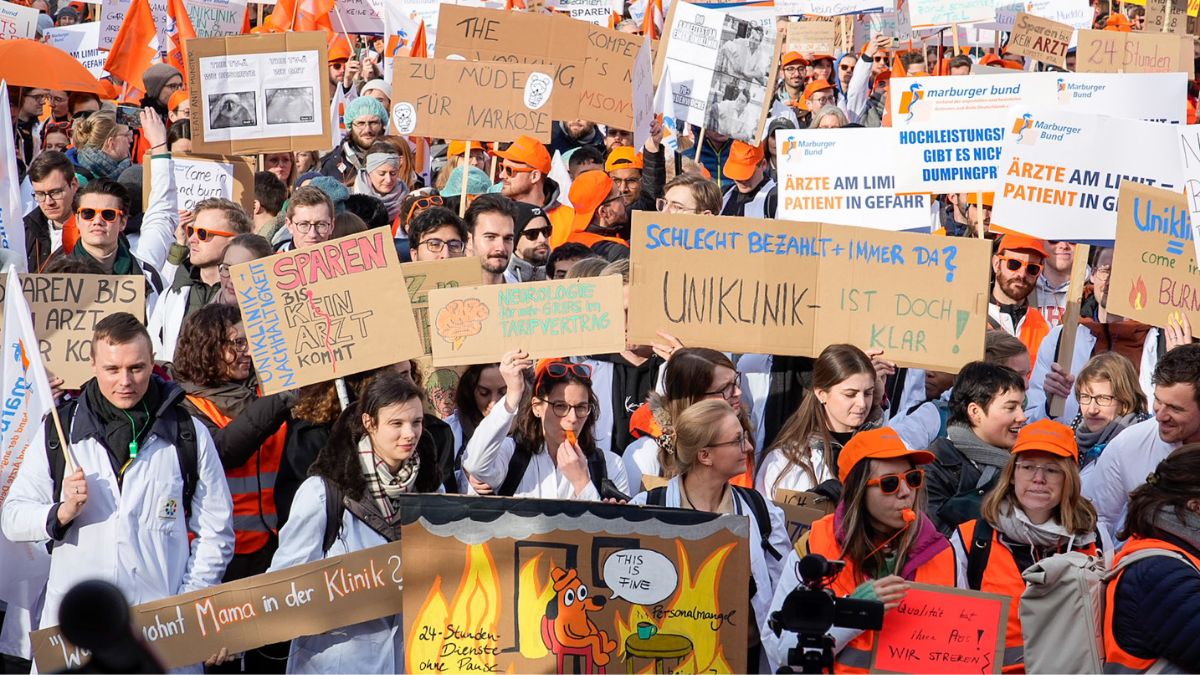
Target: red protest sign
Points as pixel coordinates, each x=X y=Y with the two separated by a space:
x=937 y=629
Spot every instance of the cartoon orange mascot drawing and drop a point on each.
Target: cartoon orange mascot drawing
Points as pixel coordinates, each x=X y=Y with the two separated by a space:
x=568 y=610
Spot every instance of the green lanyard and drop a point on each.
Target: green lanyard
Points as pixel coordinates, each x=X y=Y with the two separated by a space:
x=133 y=444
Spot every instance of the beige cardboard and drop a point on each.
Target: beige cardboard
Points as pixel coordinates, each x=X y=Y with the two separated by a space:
x=195 y=179
x=1040 y=39
x=1105 y=51
x=772 y=287
x=1154 y=272
x=422 y=277
x=256 y=44
x=326 y=311
x=811 y=37
x=1157 y=13
x=471 y=100
x=66 y=309
x=567 y=317
x=801 y=510
x=304 y=600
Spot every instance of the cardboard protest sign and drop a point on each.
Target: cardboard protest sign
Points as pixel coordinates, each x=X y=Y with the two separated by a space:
x=17 y=21
x=65 y=310
x=1154 y=271
x=216 y=18
x=81 y=41
x=259 y=93
x=1189 y=151
x=937 y=629
x=1165 y=16
x=950 y=131
x=926 y=13
x=425 y=276
x=566 y=317
x=643 y=94
x=801 y=510
x=475 y=100
x=240 y=615
x=1106 y=51
x=113 y=13
x=721 y=69
x=1041 y=39
x=890 y=23
x=198 y=178
x=822 y=178
x=358 y=16
x=597 y=12
x=326 y=311
x=1074 y=13
x=517 y=585
x=829 y=7
x=810 y=37
x=1060 y=171
x=777 y=287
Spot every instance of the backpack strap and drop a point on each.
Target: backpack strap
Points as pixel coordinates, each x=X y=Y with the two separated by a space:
x=335 y=505
x=980 y=551
x=598 y=470
x=516 y=471
x=189 y=457
x=657 y=496
x=1142 y=555
x=758 y=507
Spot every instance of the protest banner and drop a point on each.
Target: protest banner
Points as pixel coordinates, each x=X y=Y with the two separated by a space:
x=950 y=131
x=198 y=178
x=565 y=317
x=216 y=18
x=519 y=585
x=1060 y=171
x=308 y=599
x=1154 y=270
x=1041 y=39
x=326 y=311
x=890 y=23
x=81 y=41
x=1106 y=51
x=1189 y=151
x=17 y=21
x=822 y=178
x=1166 y=16
x=358 y=16
x=113 y=13
x=942 y=630
x=643 y=94
x=258 y=93
x=778 y=287
x=927 y=13
x=425 y=276
x=1074 y=13
x=722 y=70
x=801 y=510
x=66 y=309
x=477 y=100
x=810 y=37
x=829 y=7
x=596 y=12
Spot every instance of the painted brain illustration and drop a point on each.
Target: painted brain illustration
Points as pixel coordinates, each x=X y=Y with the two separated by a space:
x=460 y=320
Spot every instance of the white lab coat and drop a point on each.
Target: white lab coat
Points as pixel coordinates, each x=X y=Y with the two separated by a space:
x=490 y=450
x=166 y=322
x=1085 y=342
x=1122 y=468
x=375 y=646
x=641 y=459
x=794 y=478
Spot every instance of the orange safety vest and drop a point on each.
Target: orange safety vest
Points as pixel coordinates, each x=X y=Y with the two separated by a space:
x=562 y=220
x=1117 y=660
x=855 y=657
x=1033 y=330
x=252 y=485
x=590 y=239
x=1003 y=577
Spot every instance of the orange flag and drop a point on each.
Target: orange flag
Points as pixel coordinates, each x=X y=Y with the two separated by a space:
x=301 y=15
x=132 y=54
x=653 y=20
x=420 y=44
x=181 y=32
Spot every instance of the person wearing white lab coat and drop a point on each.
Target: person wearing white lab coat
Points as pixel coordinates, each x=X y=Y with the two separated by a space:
x=558 y=464
x=119 y=517
x=377 y=451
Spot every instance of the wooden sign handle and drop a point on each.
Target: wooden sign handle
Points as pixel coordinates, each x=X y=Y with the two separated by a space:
x=1070 y=322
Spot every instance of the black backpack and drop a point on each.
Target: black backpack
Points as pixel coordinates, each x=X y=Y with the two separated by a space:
x=758 y=507
x=336 y=504
x=597 y=469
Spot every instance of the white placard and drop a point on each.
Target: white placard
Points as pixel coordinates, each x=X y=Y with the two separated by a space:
x=256 y=96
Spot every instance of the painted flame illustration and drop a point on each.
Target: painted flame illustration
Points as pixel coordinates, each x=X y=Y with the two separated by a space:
x=474 y=610
x=460 y=319
x=1137 y=295
x=536 y=593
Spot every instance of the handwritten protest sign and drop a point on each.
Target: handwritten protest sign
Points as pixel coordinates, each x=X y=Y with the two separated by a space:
x=81 y=41
x=1106 y=51
x=822 y=178
x=801 y=510
x=643 y=94
x=1060 y=171
x=890 y=23
x=198 y=178
x=828 y=7
x=113 y=13
x=1041 y=39
x=259 y=93
x=595 y=12
x=1166 y=16
x=1074 y=13
x=1154 y=271
x=810 y=37
x=17 y=21
x=566 y=317
x=1189 y=151
x=926 y=13
x=777 y=287
x=485 y=579
x=358 y=16
x=66 y=309
x=259 y=610
x=937 y=629
x=480 y=100
x=326 y=311
x=425 y=276
x=215 y=18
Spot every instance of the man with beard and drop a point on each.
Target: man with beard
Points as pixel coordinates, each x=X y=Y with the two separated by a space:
x=531 y=248
x=1016 y=265
x=961 y=214
x=571 y=134
x=491 y=221
x=525 y=174
x=365 y=118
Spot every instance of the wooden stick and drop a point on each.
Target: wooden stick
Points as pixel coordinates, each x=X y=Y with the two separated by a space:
x=466 y=171
x=979 y=214
x=343 y=395
x=954 y=27
x=62 y=439
x=700 y=142
x=492 y=171
x=1070 y=323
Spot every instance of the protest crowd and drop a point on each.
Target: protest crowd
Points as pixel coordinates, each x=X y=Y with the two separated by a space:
x=909 y=287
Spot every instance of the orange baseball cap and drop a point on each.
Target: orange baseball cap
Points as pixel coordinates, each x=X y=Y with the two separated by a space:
x=456 y=147
x=1047 y=436
x=588 y=192
x=820 y=57
x=881 y=443
x=339 y=50
x=529 y=151
x=743 y=158
x=1015 y=241
x=989 y=199
x=793 y=57
x=623 y=157
x=812 y=88
x=1118 y=22
x=176 y=99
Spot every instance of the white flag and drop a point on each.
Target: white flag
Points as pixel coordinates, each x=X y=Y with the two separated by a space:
x=12 y=209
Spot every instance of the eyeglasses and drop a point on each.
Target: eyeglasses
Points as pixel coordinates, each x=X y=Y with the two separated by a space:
x=422 y=204
x=729 y=391
x=673 y=207
x=49 y=97
x=740 y=441
x=238 y=345
x=435 y=245
x=561 y=408
x=1103 y=400
x=821 y=100
x=1032 y=269
x=792 y=70
x=610 y=201
x=367 y=124
x=510 y=170
x=1030 y=470
x=890 y=483
x=81 y=114
x=845 y=67
x=223 y=269
x=1100 y=272
x=626 y=182
x=204 y=234
x=534 y=233
x=559 y=369
x=108 y=215
x=324 y=227
x=49 y=195
x=880 y=59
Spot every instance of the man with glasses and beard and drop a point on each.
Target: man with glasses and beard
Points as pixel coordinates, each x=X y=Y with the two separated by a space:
x=366 y=118
x=1016 y=265
x=490 y=226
